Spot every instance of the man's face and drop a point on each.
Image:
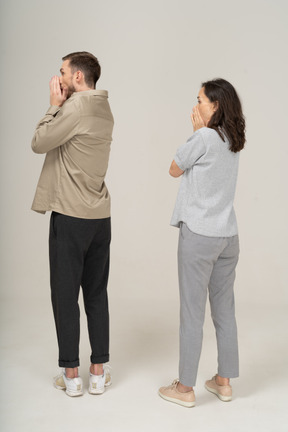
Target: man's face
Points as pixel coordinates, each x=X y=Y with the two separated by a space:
x=66 y=78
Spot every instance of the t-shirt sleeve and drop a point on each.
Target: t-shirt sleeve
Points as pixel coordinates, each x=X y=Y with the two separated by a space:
x=189 y=153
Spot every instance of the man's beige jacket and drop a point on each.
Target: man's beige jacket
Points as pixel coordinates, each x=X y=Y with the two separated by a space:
x=76 y=138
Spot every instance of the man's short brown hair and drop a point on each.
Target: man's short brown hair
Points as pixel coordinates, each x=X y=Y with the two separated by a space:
x=86 y=63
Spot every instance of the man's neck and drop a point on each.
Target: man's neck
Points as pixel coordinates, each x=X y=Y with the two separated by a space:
x=83 y=88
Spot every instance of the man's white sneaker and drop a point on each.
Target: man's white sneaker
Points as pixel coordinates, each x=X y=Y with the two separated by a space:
x=97 y=383
x=73 y=386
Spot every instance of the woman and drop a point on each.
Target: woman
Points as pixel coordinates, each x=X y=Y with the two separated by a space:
x=208 y=240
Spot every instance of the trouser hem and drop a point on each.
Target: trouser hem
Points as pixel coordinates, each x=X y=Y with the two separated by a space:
x=99 y=359
x=68 y=364
x=187 y=383
x=224 y=374
x=187 y=380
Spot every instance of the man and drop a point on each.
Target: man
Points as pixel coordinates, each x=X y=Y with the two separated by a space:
x=76 y=134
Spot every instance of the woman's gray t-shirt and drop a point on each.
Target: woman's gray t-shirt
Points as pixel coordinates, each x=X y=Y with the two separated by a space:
x=206 y=193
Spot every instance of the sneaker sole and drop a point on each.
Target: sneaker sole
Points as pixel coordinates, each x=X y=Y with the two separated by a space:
x=221 y=397
x=96 y=392
x=59 y=387
x=71 y=394
x=74 y=394
x=177 y=401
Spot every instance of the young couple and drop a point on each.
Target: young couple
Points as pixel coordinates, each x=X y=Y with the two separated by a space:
x=75 y=134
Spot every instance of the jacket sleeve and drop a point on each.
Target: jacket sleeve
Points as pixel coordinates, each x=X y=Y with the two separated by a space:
x=57 y=127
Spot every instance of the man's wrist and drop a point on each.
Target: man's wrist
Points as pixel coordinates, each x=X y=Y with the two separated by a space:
x=55 y=103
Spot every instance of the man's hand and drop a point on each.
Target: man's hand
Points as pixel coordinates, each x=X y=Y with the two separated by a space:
x=57 y=95
x=197 y=120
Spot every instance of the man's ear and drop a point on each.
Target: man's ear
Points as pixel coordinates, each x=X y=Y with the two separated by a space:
x=79 y=76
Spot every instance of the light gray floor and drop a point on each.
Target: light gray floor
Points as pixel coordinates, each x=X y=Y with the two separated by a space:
x=144 y=356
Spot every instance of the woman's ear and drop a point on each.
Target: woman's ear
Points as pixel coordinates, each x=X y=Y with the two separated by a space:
x=215 y=106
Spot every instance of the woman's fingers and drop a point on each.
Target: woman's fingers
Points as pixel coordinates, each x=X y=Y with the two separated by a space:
x=196 y=118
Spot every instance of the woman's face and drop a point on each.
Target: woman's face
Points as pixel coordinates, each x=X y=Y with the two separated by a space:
x=205 y=107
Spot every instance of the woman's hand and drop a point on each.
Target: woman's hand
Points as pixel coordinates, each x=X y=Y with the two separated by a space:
x=197 y=120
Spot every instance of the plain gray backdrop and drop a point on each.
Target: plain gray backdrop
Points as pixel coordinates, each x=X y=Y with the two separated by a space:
x=154 y=56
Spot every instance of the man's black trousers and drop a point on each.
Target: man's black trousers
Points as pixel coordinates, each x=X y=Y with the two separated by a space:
x=79 y=256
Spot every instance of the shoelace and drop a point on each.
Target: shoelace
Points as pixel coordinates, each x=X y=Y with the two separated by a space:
x=174 y=383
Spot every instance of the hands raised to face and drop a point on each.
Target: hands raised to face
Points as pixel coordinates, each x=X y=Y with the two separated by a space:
x=196 y=119
x=58 y=95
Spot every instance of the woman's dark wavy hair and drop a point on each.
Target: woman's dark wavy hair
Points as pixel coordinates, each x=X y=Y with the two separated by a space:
x=228 y=117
